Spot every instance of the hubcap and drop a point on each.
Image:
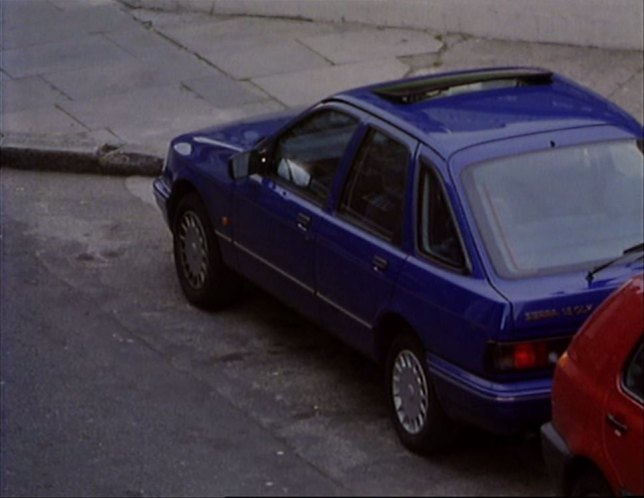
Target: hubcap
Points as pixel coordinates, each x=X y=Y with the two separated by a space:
x=410 y=392
x=193 y=249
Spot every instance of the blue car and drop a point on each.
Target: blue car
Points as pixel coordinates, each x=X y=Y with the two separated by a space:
x=455 y=228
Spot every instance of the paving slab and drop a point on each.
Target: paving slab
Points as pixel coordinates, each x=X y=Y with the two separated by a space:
x=153 y=116
x=84 y=51
x=306 y=87
x=16 y=13
x=127 y=76
x=79 y=4
x=205 y=6
x=49 y=120
x=164 y=20
x=141 y=108
x=629 y=96
x=145 y=43
x=263 y=58
x=615 y=25
x=57 y=26
x=229 y=28
x=372 y=43
x=248 y=47
x=247 y=53
x=32 y=92
x=135 y=116
x=224 y=92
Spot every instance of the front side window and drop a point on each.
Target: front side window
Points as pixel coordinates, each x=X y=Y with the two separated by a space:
x=307 y=156
x=438 y=235
x=634 y=374
x=375 y=189
x=558 y=210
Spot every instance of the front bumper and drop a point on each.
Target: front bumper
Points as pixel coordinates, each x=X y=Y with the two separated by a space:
x=162 y=195
x=556 y=454
x=502 y=408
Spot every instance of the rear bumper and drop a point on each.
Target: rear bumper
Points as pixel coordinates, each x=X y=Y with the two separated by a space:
x=556 y=454
x=503 y=408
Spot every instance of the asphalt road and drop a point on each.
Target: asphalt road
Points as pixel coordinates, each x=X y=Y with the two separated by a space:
x=113 y=386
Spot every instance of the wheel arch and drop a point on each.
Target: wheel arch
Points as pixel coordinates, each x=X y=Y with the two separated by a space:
x=437 y=429
x=389 y=326
x=179 y=190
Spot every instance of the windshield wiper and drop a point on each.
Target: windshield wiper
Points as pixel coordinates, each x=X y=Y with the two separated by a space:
x=631 y=250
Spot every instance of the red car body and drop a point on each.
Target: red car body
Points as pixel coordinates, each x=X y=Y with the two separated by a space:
x=594 y=444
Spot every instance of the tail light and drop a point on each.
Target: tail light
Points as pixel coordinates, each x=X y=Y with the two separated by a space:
x=526 y=355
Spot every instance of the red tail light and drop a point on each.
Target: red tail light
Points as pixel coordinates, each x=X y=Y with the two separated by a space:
x=528 y=355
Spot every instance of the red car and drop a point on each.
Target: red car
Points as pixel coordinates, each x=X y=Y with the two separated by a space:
x=594 y=445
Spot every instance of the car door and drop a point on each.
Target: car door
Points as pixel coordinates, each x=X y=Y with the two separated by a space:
x=624 y=429
x=359 y=251
x=276 y=211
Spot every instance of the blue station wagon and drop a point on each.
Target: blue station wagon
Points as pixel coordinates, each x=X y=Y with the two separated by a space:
x=455 y=228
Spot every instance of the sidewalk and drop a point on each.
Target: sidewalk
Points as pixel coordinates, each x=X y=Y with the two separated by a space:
x=98 y=76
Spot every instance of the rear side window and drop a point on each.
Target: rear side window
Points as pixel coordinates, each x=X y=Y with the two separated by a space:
x=437 y=232
x=634 y=374
x=375 y=189
x=307 y=156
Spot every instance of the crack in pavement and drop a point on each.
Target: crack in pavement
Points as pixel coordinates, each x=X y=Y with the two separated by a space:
x=625 y=83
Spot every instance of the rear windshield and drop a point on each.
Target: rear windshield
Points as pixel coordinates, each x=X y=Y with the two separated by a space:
x=559 y=210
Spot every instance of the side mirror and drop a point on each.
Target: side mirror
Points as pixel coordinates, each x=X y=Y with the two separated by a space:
x=246 y=163
x=240 y=165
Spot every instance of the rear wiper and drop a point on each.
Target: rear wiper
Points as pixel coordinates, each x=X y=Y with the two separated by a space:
x=631 y=250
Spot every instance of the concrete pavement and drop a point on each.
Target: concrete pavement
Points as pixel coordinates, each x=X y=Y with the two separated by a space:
x=615 y=24
x=114 y=83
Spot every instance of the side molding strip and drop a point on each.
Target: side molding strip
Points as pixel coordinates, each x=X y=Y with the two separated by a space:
x=298 y=282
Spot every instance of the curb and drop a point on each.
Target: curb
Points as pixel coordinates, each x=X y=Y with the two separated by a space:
x=76 y=156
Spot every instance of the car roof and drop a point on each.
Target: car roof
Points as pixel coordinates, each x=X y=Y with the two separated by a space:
x=452 y=111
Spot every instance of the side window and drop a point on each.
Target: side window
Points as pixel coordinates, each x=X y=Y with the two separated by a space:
x=634 y=374
x=375 y=188
x=437 y=232
x=307 y=156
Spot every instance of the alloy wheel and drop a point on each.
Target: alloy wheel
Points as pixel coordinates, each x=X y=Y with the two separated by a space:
x=410 y=392
x=193 y=249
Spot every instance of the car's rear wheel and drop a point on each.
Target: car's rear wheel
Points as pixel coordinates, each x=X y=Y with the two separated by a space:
x=420 y=422
x=591 y=483
x=205 y=280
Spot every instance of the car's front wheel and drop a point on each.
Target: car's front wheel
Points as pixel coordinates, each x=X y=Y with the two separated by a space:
x=205 y=280
x=419 y=420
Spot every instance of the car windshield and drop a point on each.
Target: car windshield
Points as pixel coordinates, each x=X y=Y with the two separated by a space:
x=559 y=210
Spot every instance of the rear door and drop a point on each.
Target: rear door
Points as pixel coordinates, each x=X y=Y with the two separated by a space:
x=359 y=246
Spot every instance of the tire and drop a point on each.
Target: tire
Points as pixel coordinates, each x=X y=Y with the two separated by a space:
x=591 y=483
x=205 y=280
x=420 y=422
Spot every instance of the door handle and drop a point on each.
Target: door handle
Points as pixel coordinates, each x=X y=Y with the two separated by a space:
x=303 y=221
x=379 y=263
x=620 y=427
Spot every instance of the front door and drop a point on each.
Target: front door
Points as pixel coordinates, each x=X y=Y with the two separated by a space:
x=276 y=212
